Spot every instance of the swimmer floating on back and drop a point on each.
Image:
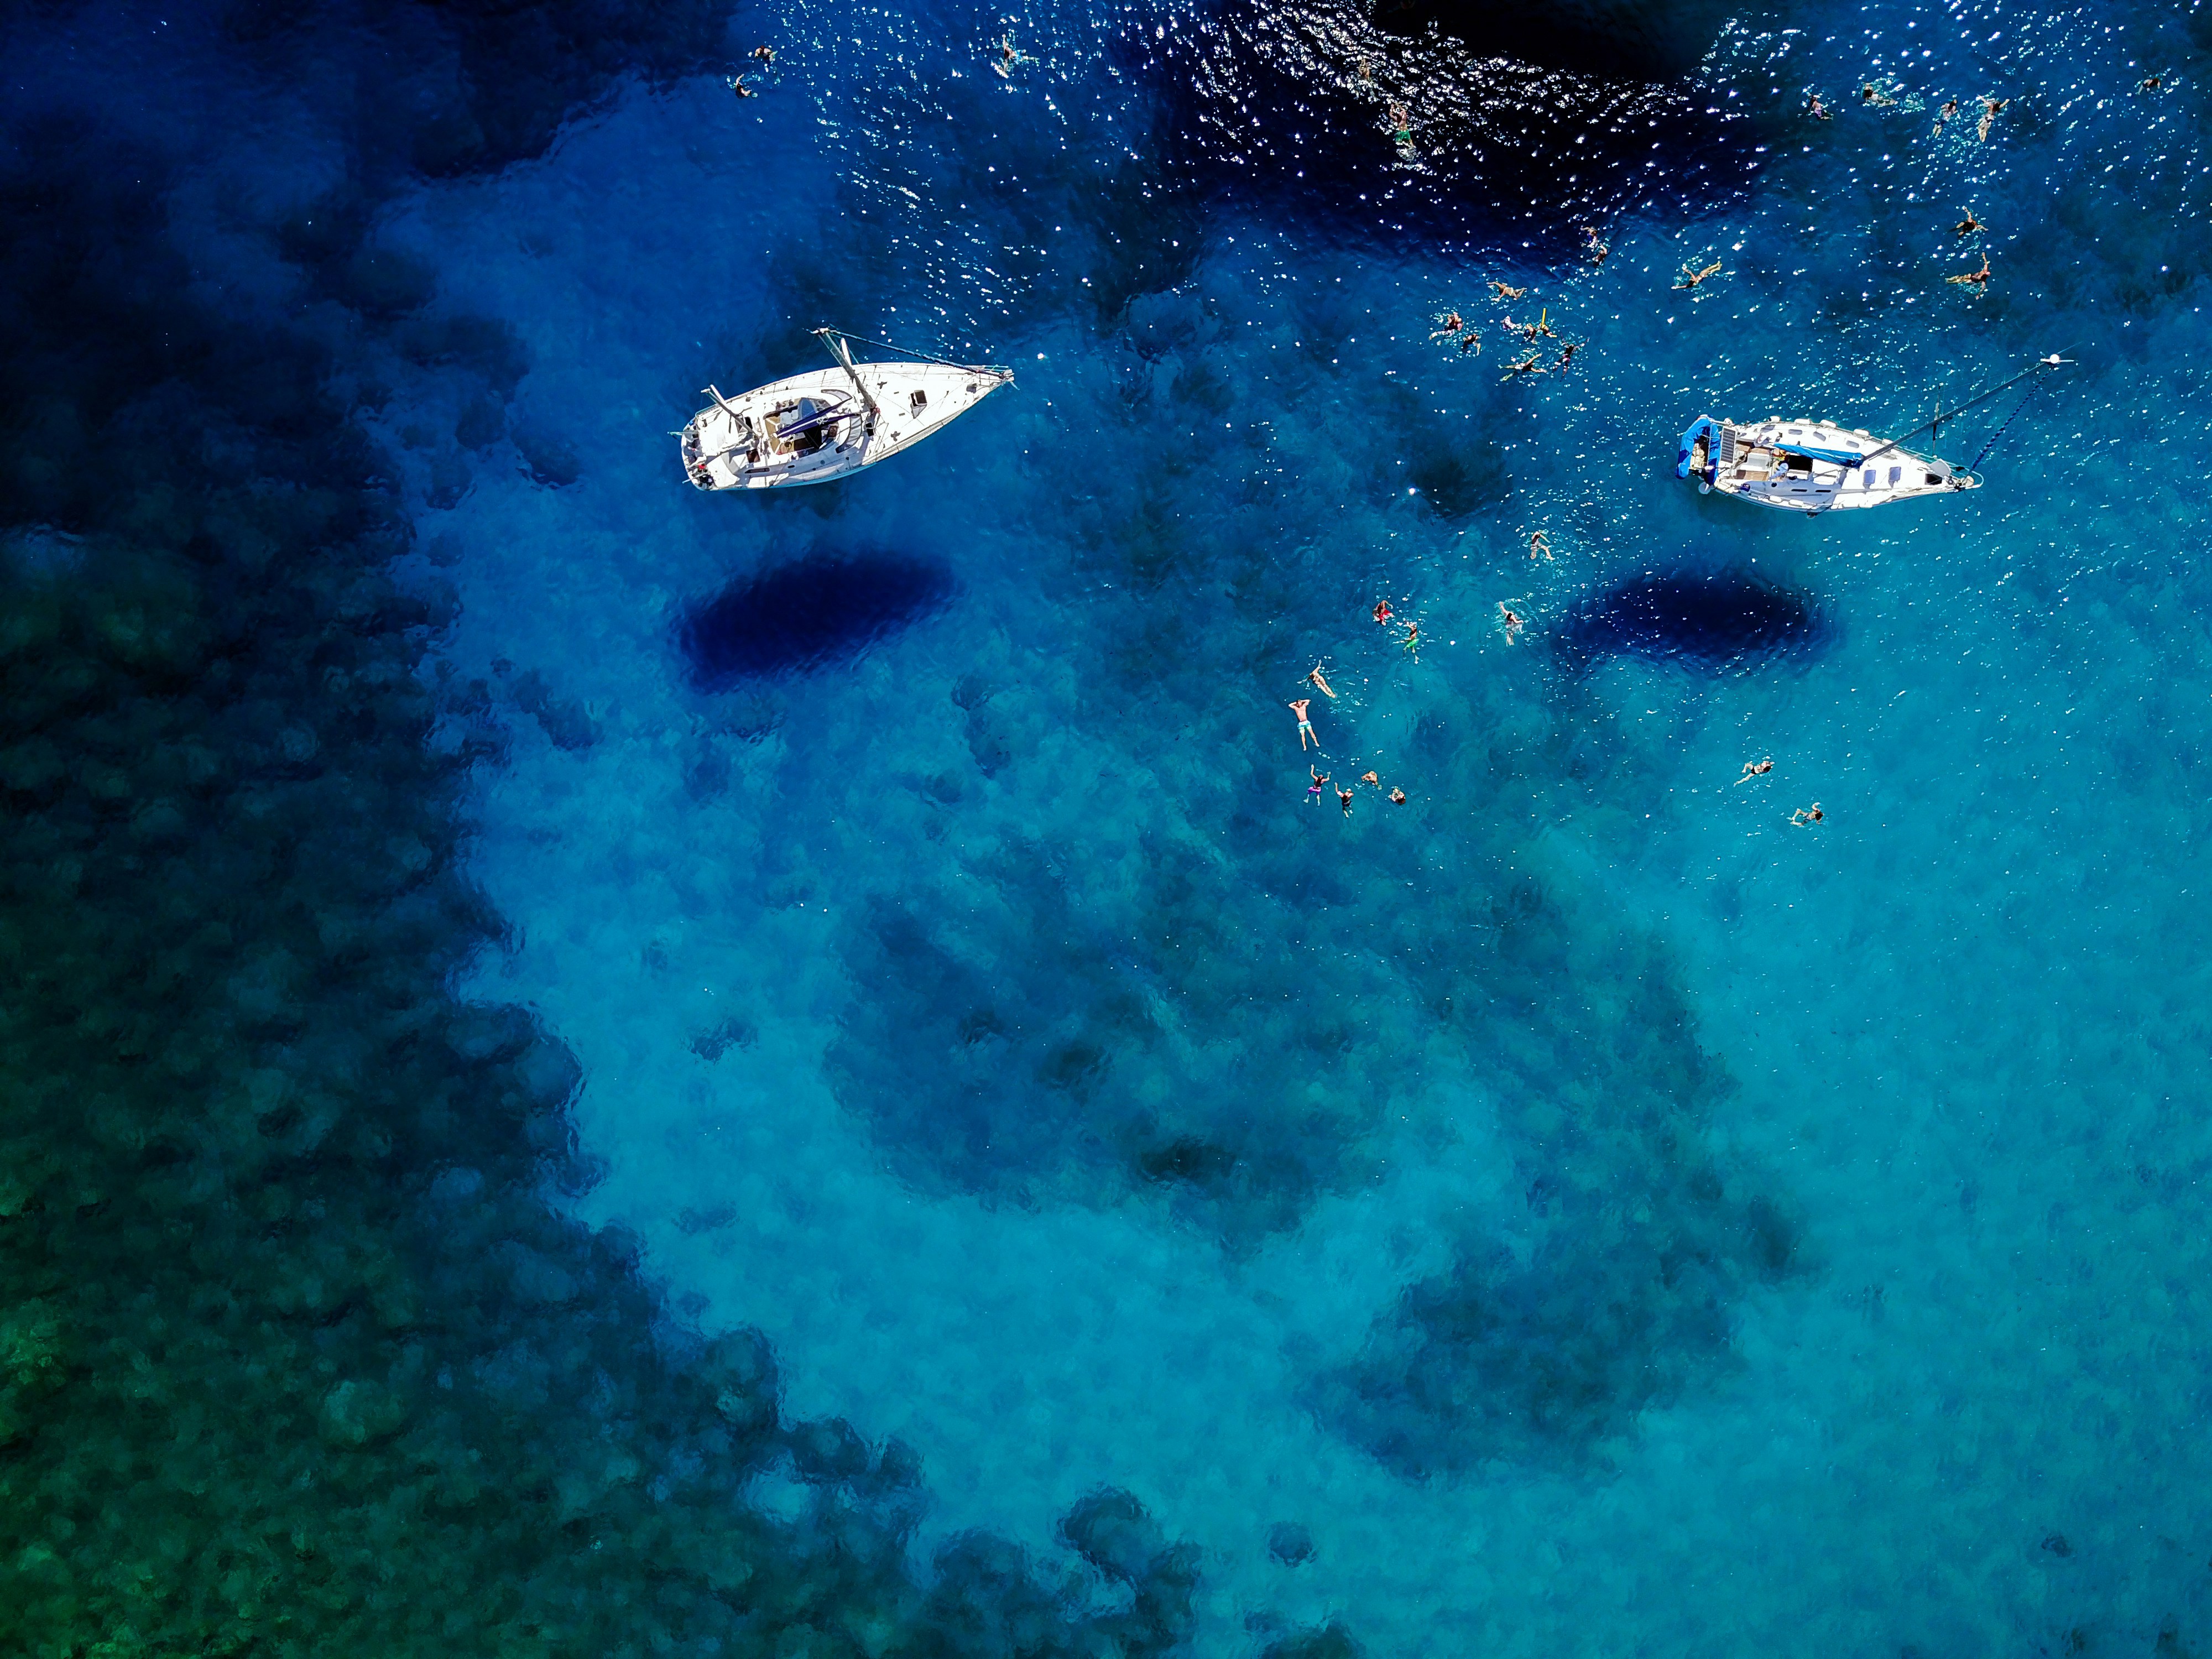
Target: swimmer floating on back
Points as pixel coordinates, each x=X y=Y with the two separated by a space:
x=1950 y=108
x=1510 y=620
x=1755 y=769
x=1306 y=726
x=1539 y=542
x=1383 y=611
x=1816 y=109
x=1313 y=789
x=1979 y=279
x=1805 y=814
x=1344 y=798
x=1968 y=225
x=1313 y=676
x=1370 y=777
x=1990 y=109
x=1691 y=276
x=1499 y=291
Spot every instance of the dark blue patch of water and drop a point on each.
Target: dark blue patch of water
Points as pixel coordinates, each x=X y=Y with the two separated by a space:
x=1334 y=117
x=1724 y=621
x=809 y=615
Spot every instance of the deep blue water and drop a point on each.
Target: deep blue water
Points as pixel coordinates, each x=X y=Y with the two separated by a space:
x=1604 y=1215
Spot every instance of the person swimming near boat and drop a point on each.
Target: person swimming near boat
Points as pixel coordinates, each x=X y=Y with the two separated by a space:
x=1992 y=108
x=764 y=54
x=1805 y=814
x=1382 y=610
x=1530 y=332
x=1343 y=798
x=1402 y=124
x=1313 y=677
x=1510 y=620
x=1755 y=769
x=1375 y=778
x=1501 y=291
x=1979 y=279
x=1397 y=796
x=1595 y=248
x=1366 y=70
x=1472 y=342
x=1531 y=364
x=2150 y=83
x=1874 y=95
x=1540 y=544
x=1411 y=645
x=1693 y=277
x=1968 y=225
x=1448 y=326
x=1320 y=777
x=1950 y=108
x=1567 y=354
x=736 y=84
x=1305 y=725
x=1816 y=109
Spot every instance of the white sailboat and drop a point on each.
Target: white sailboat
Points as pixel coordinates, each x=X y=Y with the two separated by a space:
x=829 y=423
x=1812 y=466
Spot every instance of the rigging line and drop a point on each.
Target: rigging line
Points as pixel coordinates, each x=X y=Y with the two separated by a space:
x=1942 y=414
x=2040 y=363
x=926 y=357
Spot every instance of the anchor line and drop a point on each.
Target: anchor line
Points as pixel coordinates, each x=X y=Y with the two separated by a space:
x=2008 y=420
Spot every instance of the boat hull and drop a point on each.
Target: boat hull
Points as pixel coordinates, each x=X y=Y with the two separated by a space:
x=1810 y=466
x=814 y=428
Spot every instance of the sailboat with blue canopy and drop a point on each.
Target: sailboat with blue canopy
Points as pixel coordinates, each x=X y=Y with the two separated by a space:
x=1815 y=466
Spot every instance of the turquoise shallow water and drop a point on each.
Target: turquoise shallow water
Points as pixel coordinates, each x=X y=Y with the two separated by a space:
x=1602 y=1214
x=1948 y=1034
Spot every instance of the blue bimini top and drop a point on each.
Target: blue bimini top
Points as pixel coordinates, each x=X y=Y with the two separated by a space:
x=1841 y=457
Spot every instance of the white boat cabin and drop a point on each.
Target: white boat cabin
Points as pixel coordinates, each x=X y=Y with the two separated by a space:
x=1810 y=466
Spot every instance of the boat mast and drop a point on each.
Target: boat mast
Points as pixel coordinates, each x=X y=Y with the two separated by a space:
x=843 y=353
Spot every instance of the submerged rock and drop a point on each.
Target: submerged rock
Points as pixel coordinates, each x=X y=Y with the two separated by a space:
x=807 y=615
x=1719 y=621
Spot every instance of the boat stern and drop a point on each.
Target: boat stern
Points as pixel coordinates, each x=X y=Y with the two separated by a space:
x=1699 y=455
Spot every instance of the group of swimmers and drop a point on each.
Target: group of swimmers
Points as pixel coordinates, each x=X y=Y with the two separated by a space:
x=1879 y=95
x=761 y=57
x=1453 y=327
x=1410 y=643
x=1804 y=816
